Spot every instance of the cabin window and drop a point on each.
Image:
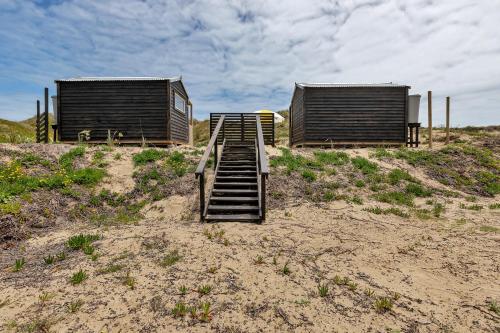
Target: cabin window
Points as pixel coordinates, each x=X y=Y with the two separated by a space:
x=180 y=103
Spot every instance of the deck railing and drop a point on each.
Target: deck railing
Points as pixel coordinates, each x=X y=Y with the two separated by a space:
x=200 y=171
x=262 y=168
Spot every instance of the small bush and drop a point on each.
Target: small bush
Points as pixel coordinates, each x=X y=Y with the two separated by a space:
x=87 y=176
x=323 y=290
x=309 y=175
x=364 y=165
x=78 y=242
x=382 y=153
x=147 y=156
x=66 y=160
x=78 y=277
x=396 y=175
x=331 y=158
x=170 y=259
x=18 y=265
x=392 y=210
x=418 y=190
x=399 y=198
x=383 y=304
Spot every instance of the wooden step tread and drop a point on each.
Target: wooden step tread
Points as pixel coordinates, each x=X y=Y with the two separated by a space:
x=236 y=166
x=229 y=190
x=232 y=217
x=229 y=172
x=234 y=199
x=232 y=207
x=234 y=184
x=236 y=178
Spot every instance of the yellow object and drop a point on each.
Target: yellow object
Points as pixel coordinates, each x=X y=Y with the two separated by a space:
x=277 y=118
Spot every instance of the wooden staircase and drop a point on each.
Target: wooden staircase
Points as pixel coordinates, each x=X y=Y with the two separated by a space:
x=238 y=193
x=234 y=196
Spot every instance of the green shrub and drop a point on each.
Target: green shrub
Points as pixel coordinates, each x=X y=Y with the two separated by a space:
x=364 y=165
x=66 y=160
x=148 y=155
x=178 y=163
x=381 y=153
x=399 y=198
x=80 y=241
x=396 y=175
x=309 y=175
x=418 y=191
x=87 y=176
x=10 y=208
x=359 y=183
x=331 y=158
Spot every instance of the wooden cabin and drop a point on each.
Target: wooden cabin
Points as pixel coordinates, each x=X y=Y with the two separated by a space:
x=132 y=109
x=350 y=114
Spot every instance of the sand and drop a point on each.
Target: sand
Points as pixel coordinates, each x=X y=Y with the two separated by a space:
x=440 y=274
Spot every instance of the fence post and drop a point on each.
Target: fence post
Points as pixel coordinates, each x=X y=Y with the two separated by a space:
x=37 y=124
x=448 y=120
x=429 y=115
x=46 y=124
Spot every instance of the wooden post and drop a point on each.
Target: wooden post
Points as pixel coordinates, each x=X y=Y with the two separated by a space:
x=46 y=124
x=37 y=121
x=448 y=120
x=429 y=115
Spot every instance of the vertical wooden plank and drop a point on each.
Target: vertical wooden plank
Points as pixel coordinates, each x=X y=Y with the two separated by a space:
x=429 y=115
x=407 y=109
x=58 y=116
x=290 y=126
x=37 y=121
x=448 y=120
x=46 y=120
x=170 y=102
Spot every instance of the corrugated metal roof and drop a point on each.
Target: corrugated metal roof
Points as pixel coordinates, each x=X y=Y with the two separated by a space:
x=351 y=85
x=110 y=78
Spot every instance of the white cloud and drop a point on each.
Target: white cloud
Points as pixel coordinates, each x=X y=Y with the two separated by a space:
x=245 y=55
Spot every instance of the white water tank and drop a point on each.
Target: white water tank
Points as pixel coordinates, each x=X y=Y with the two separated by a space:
x=413 y=106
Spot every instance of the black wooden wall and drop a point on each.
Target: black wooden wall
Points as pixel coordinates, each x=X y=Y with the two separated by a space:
x=179 y=121
x=134 y=108
x=351 y=114
x=297 y=116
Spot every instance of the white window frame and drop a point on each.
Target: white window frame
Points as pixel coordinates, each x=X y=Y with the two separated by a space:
x=178 y=96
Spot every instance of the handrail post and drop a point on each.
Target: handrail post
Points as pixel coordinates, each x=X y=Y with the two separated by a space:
x=200 y=170
x=38 y=121
x=202 y=196
x=216 y=153
x=263 y=195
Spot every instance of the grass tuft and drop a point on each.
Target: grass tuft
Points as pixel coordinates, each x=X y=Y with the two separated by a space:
x=78 y=277
x=170 y=258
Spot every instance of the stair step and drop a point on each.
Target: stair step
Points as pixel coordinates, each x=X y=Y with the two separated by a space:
x=236 y=172
x=232 y=191
x=235 y=184
x=235 y=178
x=234 y=167
x=232 y=217
x=234 y=199
x=231 y=208
x=238 y=161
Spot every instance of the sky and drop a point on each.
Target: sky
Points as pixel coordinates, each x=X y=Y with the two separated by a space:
x=241 y=56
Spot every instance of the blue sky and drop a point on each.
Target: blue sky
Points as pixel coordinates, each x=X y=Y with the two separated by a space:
x=246 y=55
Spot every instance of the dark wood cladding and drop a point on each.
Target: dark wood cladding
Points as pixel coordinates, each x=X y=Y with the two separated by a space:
x=243 y=126
x=297 y=116
x=136 y=108
x=179 y=126
x=349 y=115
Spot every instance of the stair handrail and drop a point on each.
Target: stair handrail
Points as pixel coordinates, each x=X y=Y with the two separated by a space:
x=262 y=168
x=200 y=170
